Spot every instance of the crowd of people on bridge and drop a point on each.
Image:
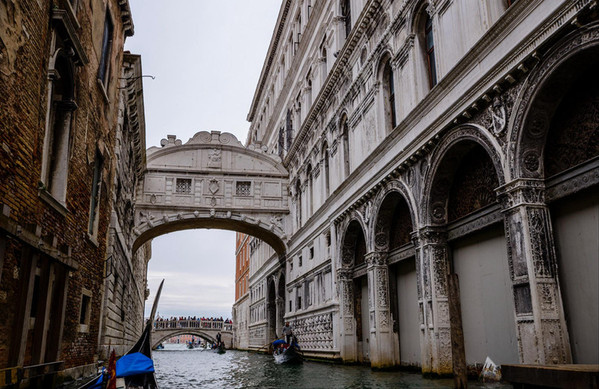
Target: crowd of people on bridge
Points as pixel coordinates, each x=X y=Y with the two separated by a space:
x=192 y=322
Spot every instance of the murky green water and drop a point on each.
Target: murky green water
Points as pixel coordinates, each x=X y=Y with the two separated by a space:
x=177 y=367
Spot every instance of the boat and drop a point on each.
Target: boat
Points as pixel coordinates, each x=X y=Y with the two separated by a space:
x=220 y=349
x=287 y=353
x=190 y=346
x=136 y=366
x=160 y=347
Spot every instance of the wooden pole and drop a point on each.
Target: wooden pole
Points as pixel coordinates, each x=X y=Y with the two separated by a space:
x=457 y=333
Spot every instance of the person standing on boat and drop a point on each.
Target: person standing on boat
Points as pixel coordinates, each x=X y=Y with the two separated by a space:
x=218 y=339
x=288 y=333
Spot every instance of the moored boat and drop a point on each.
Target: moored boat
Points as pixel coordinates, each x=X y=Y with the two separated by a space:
x=287 y=353
x=220 y=349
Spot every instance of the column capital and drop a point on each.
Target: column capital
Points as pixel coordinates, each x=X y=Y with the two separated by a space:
x=344 y=274
x=376 y=258
x=522 y=191
x=432 y=235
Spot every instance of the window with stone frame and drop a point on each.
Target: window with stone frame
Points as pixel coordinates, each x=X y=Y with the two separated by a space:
x=94 y=207
x=346 y=14
x=243 y=188
x=85 y=310
x=57 y=141
x=183 y=186
x=107 y=41
x=430 y=50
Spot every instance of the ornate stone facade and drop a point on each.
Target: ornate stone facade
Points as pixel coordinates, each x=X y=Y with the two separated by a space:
x=398 y=180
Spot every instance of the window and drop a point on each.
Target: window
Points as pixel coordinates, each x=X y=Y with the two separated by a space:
x=389 y=96
x=345 y=136
x=346 y=14
x=58 y=128
x=94 y=208
x=183 y=186
x=325 y=158
x=85 y=310
x=510 y=2
x=310 y=194
x=104 y=70
x=311 y=252
x=243 y=188
x=299 y=301
x=430 y=50
x=298 y=193
x=290 y=305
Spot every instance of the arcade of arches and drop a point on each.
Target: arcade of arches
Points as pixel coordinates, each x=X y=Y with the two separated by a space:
x=492 y=228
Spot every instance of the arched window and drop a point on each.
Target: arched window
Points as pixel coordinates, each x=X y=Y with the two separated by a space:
x=389 y=96
x=325 y=158
x=298 y=196
x=429 y=45
x=310 y=194
x=346 y=13
x=57 y=139
x=345 y=139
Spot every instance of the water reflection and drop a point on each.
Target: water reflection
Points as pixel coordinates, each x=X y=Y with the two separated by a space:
x=177 y=367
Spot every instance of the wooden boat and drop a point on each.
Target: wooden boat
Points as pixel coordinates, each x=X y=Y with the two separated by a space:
x=288 y=354
x=136 y=366
x=220 y=349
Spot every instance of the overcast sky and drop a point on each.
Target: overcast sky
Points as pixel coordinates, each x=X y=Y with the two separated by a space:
x=206 y=56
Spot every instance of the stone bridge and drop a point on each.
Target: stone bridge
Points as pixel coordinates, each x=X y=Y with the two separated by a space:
x=212 y=181
x=206 y=330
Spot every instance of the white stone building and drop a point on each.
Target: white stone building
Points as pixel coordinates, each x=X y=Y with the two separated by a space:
x=430 y=142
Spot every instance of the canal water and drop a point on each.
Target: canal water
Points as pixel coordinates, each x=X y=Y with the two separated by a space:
x=177 y=367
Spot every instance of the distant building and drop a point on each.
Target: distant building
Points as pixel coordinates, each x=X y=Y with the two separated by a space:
x=439 y=153
x=241 y=305
x=60 y=64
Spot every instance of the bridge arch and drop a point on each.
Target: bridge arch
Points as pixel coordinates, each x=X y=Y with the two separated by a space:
x=161 y=336
x=212 y=181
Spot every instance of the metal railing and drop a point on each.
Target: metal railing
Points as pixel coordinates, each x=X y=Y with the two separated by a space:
x=193 y=324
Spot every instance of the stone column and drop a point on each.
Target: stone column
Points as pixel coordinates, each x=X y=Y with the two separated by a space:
x=432 y=259
x=382 y=342
x=347 y=345
x=280 y=307
x=540 y=322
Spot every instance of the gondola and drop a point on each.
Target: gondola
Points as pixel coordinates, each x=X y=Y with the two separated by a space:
x=220 y=349
x=287 y=353
x=136 y=366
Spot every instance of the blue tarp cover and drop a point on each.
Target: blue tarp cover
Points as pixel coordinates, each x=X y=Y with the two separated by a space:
x=133 y=364
x=278 y=342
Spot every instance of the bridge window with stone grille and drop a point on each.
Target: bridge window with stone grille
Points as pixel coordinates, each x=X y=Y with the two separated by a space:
x=243 y=188
x=183 y=186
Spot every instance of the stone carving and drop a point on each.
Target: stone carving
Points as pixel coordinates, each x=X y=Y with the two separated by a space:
x=214 y=158
x=315 y=332
x=213 y=186
x=498 y=116
x=171 y=140
x=540 y=247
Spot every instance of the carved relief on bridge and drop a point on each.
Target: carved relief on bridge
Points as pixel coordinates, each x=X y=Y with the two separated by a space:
x=212 y=181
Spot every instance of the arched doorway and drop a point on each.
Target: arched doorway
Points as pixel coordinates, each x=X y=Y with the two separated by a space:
x=394 y=227
x=355 y=293
x=571 y=153
x=462 y=196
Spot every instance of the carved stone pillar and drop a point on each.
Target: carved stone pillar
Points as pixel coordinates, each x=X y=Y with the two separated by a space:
x=540 y=321
x=381 y=331
x=347 y=345
x=280 y=307
x=432 y=257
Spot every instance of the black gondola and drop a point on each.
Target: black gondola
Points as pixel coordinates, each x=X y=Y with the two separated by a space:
x=287 y=353
x=136 y=365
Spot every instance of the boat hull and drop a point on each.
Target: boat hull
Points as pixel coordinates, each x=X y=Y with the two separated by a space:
x=290 y=356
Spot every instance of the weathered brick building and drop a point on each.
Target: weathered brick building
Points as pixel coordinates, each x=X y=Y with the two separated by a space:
x=60 y=65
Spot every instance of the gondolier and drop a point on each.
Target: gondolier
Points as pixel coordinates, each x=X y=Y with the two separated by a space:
x=287 y=332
